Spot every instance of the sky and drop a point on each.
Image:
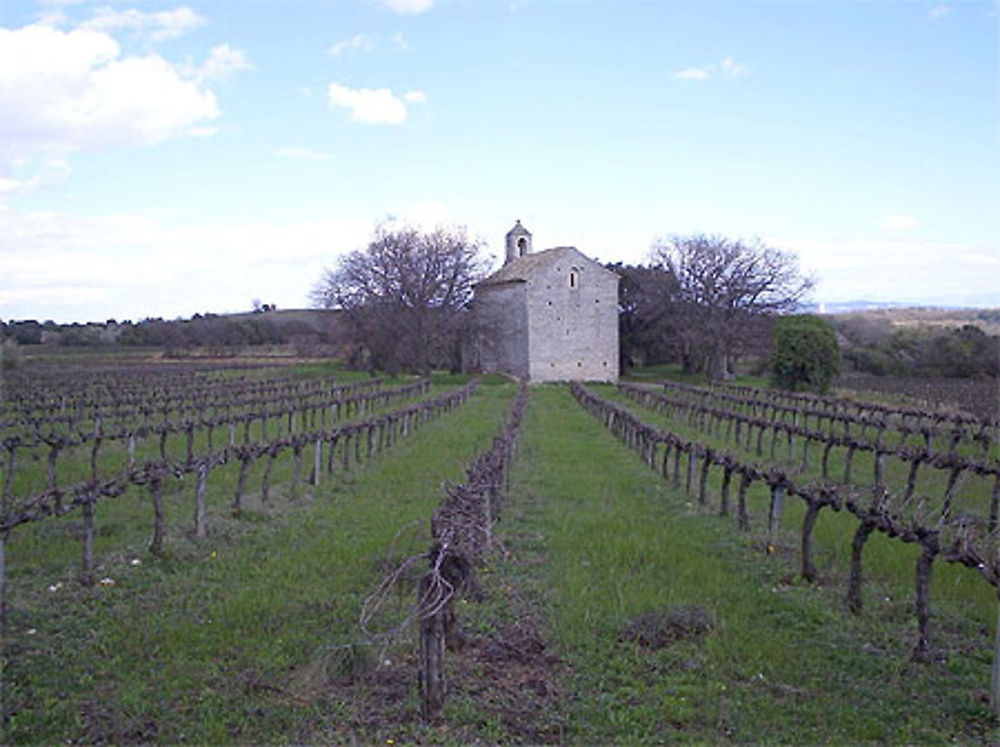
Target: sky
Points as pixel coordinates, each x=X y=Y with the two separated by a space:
x=161 y=159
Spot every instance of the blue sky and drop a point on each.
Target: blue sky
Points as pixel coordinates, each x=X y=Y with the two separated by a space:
x=162 y=158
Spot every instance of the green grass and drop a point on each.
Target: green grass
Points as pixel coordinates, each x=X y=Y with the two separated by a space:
x=209 y=643
x=252 y=635
x=887 y=560
x=673 y=372
x=783 y=661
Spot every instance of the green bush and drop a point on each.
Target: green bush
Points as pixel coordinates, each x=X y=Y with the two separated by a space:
x=805 y=354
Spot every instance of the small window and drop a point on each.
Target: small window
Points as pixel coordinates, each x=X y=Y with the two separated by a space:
x=522 y=246
x=574 y=279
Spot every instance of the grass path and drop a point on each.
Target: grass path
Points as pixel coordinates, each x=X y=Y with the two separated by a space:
x=633 y=567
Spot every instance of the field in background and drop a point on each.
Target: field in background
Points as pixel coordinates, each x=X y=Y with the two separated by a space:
x=987 y=320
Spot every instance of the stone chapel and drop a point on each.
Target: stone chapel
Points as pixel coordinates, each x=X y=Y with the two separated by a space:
x=550 y=315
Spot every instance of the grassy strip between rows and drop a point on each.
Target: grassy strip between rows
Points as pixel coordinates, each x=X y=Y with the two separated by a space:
x=671 y=625
x=892 y=562
x=241 y=637
x=52 y=546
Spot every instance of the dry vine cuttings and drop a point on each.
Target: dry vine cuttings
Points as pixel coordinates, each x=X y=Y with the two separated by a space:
x=462 y=535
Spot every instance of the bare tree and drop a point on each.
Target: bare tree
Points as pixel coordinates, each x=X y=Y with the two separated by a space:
x=647 y=326
x=404 y=294
x=723 y=288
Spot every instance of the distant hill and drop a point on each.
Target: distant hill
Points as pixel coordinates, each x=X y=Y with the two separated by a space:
x=846 y=307
x=987 y=320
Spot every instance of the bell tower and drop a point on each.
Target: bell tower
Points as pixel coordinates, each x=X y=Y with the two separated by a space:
x=518 y=243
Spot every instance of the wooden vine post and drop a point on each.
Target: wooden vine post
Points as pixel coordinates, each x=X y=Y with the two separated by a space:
x=159 y=522
x=432 y=640
x=317 y=473
x=87 y=548
x=4 y=534
x=776 y=480
x=929 y=550
x=995 y=671
x=199 y=499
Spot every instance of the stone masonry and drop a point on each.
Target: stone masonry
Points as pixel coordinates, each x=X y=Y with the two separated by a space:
x=548 y=316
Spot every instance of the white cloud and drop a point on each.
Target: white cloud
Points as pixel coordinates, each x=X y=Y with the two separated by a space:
x=27 y=175
x=729 y=67
x=358 y=42
x=415 y=97
x=733 y=69
x=693 y=73
x=898 y=270
x=938 y=11
x=222 y=62
x=63 y=91
x=160 y=26
x=371 y=106
x=408 y=7
x=400 y=41
x=898 y=222
x=73 y=268
x=302 y=154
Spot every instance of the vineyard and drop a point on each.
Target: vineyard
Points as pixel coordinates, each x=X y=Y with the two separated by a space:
x=296 y=554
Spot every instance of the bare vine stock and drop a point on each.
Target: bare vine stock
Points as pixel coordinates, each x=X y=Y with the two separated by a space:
x=87 y=423
x=912 y=514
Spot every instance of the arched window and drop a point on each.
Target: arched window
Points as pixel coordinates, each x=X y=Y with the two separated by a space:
x=522 y=246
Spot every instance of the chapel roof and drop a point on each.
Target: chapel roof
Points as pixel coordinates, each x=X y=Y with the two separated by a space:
x=520 y=269
x=519 y=230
